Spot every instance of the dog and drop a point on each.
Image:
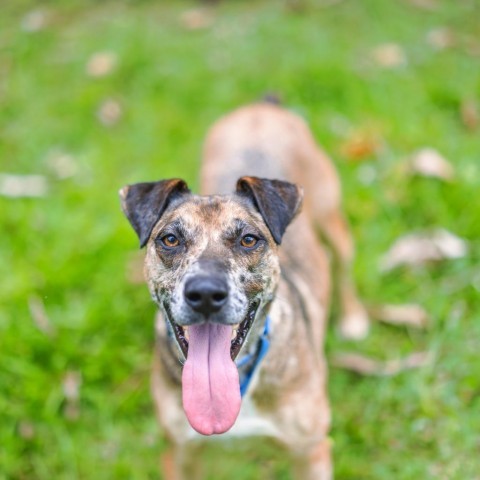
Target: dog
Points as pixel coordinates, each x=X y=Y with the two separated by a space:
x=244 y=301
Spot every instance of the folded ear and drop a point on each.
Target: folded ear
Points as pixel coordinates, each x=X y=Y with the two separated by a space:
x=144 y=203
x=276 y=200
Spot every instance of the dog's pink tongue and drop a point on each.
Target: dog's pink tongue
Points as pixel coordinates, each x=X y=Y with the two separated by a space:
x=211 y=390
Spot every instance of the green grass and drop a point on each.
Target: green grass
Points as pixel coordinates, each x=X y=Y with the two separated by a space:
x=71 y=248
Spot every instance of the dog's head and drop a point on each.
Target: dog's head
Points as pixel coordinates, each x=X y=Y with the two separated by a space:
x=212 y=261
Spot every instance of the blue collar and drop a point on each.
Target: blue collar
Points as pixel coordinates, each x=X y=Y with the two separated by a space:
x=252 y=360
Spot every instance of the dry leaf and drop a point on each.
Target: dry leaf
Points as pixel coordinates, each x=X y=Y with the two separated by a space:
x=101 y=64
x=26 y=430
x=196 y=19
x=469 y=114
x=16 y=186
x=71 y=384
x=34 y=21
x=410 y=315
x=368 y=366
x=440 y=38
x=39 y=315
x=423 y=247
x=429 y=163
x=109 y=112
x=389 y=55
x=425 y=4
x=360 y=146
x=62 y=164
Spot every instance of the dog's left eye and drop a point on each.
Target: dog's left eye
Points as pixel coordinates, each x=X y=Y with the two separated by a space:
x=170 y=241
x=248 y=241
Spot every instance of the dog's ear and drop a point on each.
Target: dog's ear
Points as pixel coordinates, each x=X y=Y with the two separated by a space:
x=276 y=200
x=144 y=203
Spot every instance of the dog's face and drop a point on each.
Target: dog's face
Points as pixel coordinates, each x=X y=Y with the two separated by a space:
x=212 y=267
x=211 y=259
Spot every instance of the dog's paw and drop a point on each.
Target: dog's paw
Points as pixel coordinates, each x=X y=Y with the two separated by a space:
x=354 y=325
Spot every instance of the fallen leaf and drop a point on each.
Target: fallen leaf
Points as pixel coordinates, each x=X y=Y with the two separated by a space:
x=302 y=6
x=39 y=315
x=389 y=55
x=109 y=112
x=410 y=315
x=26 y=430
x=101 y=64
x=360 y=145
x=469 y=114
x=429 y=163
x=62 y=164
x=71 y=384
x=34 y=21
x=440 y=38
x=423 y=247
x=363 y=365
x=425 y=4
x=16 y=186
x=196 y=19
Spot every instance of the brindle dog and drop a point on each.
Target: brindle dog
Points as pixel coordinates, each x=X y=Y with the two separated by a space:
x=226 y=289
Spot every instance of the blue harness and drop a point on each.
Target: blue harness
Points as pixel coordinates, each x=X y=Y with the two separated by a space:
x=254 y=358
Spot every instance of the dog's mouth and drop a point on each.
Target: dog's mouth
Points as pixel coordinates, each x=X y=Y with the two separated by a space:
x=239 y=331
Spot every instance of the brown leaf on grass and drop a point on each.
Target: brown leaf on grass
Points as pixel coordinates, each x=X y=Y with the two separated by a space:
x=26 y=430
x=101 y=64
x=109 y=112
x=34 y=21
x=197 y=19
x=360 y=146
x=440 y=38
x=363 y=365
x=428 y=162
x=16 y=186
x=422 y=247
x=71 y=384
x=409 y=314
x=389 y=55
x=431 y=5
x=39 y=315
x=469 y=114
x=61 y=163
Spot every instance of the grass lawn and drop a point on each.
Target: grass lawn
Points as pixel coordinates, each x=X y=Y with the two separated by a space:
x=76 y=327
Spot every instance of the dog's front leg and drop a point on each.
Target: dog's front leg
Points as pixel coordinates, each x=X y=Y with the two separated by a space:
x=316 y=464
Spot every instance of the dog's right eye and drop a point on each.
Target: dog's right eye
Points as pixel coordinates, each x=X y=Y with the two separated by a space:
x=170 y=241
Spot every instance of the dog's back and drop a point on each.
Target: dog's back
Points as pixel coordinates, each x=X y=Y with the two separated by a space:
x=269 y=141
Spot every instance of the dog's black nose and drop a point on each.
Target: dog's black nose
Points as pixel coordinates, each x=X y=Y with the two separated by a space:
x=206 y=295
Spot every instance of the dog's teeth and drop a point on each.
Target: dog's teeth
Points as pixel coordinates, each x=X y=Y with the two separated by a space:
x=185 y=333
x=235 y=330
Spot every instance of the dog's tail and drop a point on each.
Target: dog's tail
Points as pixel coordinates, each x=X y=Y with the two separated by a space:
x=272 y=98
